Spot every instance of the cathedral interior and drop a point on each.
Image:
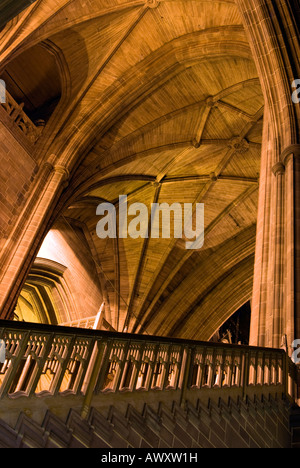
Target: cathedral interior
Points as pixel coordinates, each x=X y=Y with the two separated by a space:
x=164 y=101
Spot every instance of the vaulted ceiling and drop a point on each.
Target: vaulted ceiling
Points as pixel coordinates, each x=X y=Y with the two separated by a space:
x=161 y=101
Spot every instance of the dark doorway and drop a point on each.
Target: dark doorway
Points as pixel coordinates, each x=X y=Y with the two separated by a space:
x=236 y=330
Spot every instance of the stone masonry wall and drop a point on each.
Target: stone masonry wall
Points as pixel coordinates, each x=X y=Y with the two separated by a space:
x=232 y=424
x=16 y=175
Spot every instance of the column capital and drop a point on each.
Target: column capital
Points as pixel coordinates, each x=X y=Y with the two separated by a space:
x=292 y=150
x=278 y=168
x=63 y=171
x=48 y=166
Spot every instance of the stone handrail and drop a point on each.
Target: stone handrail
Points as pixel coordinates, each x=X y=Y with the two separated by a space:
x=45 y=360
x=88 y=323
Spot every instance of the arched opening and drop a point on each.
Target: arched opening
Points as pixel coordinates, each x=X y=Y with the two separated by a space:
x=44 y=297
x=63 y=285
x=236 y=330
x=33 y=80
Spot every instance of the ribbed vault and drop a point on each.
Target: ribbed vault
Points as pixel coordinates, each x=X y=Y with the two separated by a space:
x=164 y=105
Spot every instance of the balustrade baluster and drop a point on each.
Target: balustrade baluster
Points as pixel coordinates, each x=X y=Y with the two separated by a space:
x=186 y=374
x=222 y=369
x=100 y=347
x=245 y=362
x=139 y=365
x=182 y=367
x=232 y=378
x=87 y=347
x=59 y=377
x=167 y=365
x=122 y=367
x=41 y=363
x=203 y=369
x=104 y=367
x=15 y=360
x=213 y=368
x=267 y=369
x=129 y=374
x=153 y=366
x=146 y=366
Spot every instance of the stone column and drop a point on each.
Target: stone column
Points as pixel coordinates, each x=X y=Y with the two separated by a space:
x=276 y=291
x=276 y=325
x=51 y=183
x=291 y=160
x=272 y=27
x=260 y=286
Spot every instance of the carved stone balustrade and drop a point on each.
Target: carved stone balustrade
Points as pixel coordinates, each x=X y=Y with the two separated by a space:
x=21 y=120
x=49 y=361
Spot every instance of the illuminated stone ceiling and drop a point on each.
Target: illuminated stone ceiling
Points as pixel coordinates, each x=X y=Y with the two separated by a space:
x=160 y=101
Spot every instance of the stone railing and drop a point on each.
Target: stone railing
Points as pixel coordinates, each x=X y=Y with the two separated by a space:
x=50 y=361
x=18 y=117
x=89 y=323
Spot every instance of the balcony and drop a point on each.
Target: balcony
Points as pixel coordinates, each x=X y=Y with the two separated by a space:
x=13 y=115
x=97 y=367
